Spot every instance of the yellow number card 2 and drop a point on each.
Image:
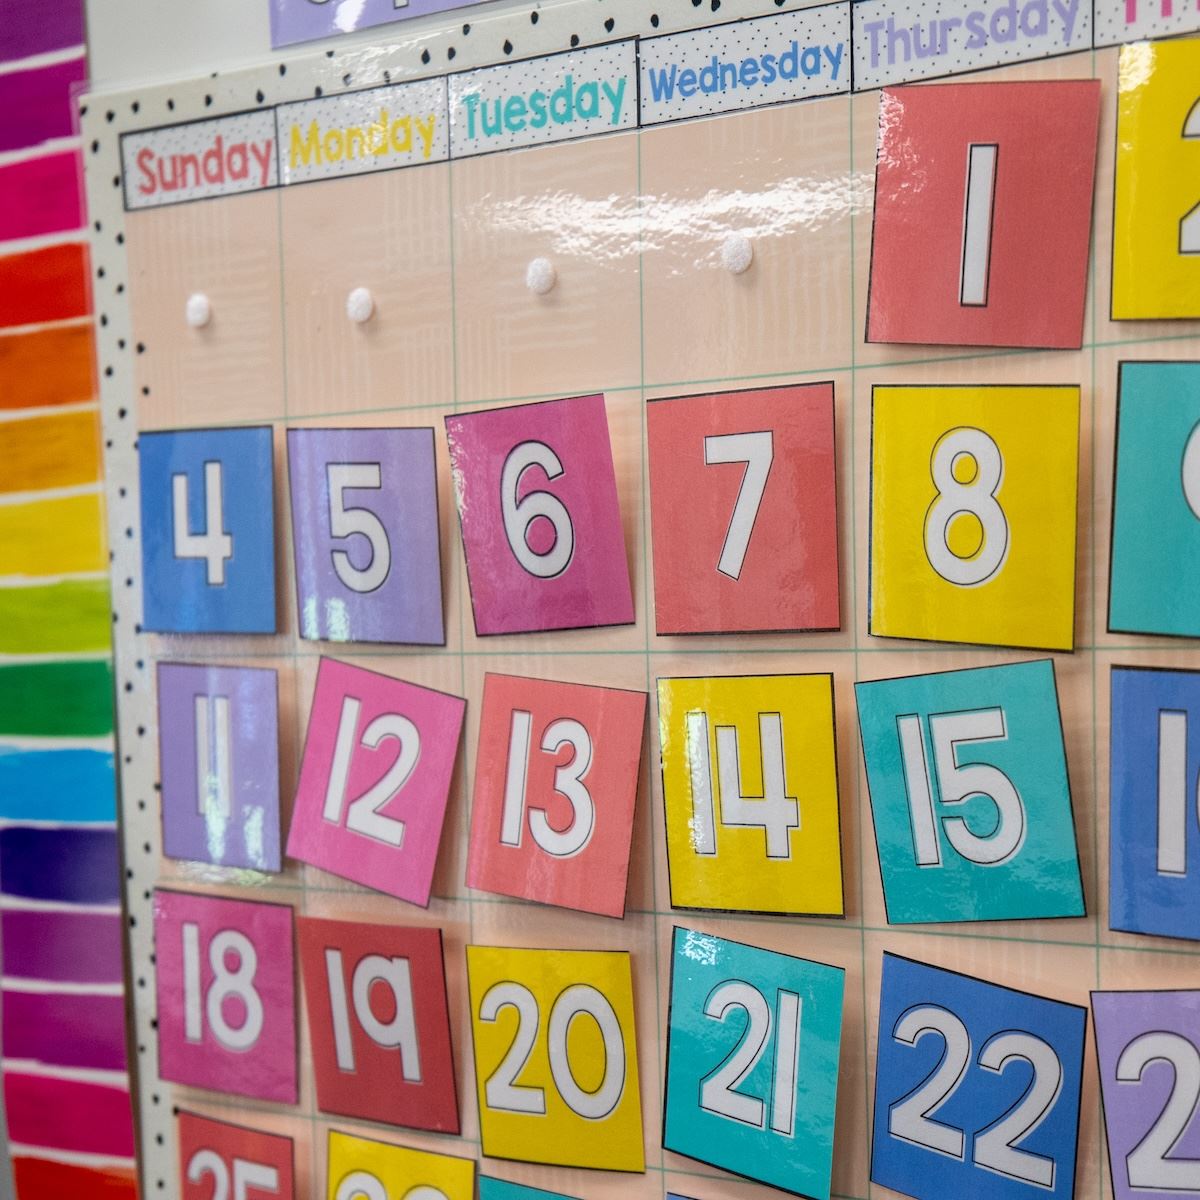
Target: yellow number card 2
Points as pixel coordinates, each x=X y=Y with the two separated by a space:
x=749 y=774
x=556 y=1056
x=362 y=1169
x=1156 y=213
x=973 y=509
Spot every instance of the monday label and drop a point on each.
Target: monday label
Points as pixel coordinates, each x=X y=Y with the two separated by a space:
x=896 y=41
x=359 y=132
x=576 y=94
x=746 y=64
x=221 y=157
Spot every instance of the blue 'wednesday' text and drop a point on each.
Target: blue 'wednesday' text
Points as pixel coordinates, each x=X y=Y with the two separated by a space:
x=757 y=70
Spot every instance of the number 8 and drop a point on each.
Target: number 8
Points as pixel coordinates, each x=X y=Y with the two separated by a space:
x=977 y=496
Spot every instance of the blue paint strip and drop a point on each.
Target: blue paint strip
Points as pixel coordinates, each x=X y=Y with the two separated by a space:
x=73 y=866
x=57 y=785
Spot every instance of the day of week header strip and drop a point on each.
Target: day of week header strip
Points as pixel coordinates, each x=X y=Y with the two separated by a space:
x=852 y=45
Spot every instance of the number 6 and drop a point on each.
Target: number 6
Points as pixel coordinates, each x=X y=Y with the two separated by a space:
x=520 y=514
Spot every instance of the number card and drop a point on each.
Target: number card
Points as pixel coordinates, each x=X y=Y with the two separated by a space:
x=976 y=1087
x=744 y=510
x=541 y=527
x=749 y=771
x=969 y=794
x=219 y=1161
x=973 y=498
x=752 y=1061
x=1154 y=832
x=499 y=1189
x=1156 y=211
x=1148 y=1048
x=556 y=781
x=378 y=758
x=378 y=1022
x=1155 y=571
x=365 y=533
x=208 y=533
x=226 y=995
x=363 y=1169
x=218 y=750
x=983 y=213
x=556 y=1056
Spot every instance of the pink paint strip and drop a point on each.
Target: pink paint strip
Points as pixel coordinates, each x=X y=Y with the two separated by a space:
x=87 y=1118
x=40 y=196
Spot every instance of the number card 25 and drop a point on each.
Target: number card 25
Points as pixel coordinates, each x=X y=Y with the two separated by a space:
x=219 y=1161
x=226 y=995
x=556 y=1056
x=976 y=1088
x=752 y=1061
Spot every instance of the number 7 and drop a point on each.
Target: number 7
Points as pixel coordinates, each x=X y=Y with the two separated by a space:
x=757 y=451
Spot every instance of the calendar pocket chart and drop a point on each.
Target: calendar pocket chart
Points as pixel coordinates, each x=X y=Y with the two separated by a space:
x=363 y=1169
x=219 y=760
x=750 y=794
x=208 y=537
x=220 y=1159
x=969 y=795
x=374 y=779
x=752 y=1061
x=556 y=780
x=365 y=532
x=977 y=1087
x=1154 y=831
x=743 y=500
x=1156 y=500
x=378 y=1022
x=983 y=207
x=1148 y=1047
x=973 y=510
x=541 y=526
x=226 y=995
x=556 y=1056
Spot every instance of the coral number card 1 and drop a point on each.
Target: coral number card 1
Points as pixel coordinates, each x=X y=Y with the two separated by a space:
x=744 y=510
x=556 y=780
x=375 y=779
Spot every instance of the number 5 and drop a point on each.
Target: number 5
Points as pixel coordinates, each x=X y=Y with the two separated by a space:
x=345 y=522
x=757 y=451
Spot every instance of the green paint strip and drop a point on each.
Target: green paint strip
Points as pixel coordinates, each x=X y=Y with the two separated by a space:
x=61 y=699
x=58 y=618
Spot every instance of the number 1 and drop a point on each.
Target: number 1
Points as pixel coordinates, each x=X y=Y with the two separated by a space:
x=1172 y=793
x=977 y=224
x=214 y=788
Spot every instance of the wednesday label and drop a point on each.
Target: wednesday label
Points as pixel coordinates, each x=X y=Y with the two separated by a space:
x=746 y=64
x=359 y=132
x=205 y=158
x=900 y=40
x=549 y=99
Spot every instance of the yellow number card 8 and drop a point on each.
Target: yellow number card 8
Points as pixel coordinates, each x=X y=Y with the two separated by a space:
x=556 y=1056
x=749 y=774
x=1156 y=213
x=362 y=1169
x=973 y=510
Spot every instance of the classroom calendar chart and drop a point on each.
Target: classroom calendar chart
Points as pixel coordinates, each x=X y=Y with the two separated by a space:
x=650 y=598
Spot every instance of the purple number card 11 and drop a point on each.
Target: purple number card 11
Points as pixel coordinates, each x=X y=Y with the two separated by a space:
x=365 y=533
x=218 y=731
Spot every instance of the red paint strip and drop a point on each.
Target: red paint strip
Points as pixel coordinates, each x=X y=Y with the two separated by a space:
x=40 y=196
x=41 y=1179
x=44 y=285
x=87 y=1118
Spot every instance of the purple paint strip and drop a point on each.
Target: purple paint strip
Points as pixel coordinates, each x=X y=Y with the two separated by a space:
x=303 y=21
x=76 y=866
x=61 y=947
x=36 y=105
x=37 y=28
x=72 y=1030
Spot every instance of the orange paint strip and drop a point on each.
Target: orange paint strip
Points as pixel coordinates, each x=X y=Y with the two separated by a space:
x=44 y=285
x=61 y=450
x=41 y=1179
x=51 y=366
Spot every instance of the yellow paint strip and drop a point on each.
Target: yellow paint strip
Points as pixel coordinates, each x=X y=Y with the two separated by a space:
x=52 y=537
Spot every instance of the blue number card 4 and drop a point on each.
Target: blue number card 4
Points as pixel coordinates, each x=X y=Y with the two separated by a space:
x=1154 y=835
x=208 y=532
x=752 y=1061
x=977 y=1088
x=972 y=808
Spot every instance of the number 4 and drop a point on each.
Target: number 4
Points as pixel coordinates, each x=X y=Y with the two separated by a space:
x=214 y=545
